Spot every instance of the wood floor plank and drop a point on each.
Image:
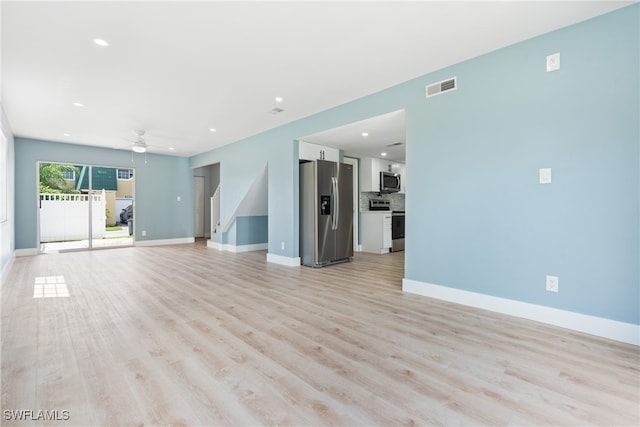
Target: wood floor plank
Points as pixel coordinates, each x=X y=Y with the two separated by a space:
x=188 y=336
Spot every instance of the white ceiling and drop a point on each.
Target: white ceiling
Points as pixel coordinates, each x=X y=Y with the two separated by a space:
x=382 y=134
x=177 y=69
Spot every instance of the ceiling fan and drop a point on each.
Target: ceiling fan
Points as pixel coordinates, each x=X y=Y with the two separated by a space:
x=138 y=144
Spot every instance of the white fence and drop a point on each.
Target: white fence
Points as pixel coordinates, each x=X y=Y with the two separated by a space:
x=65 y=217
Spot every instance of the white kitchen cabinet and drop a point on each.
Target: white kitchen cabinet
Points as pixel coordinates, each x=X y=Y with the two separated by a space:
x=375 y=232
x=370 y=169
x=308 y=151
x=369 y=174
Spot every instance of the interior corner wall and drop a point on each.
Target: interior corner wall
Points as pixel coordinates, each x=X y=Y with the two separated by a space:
x=7 y=228
x=159 y=181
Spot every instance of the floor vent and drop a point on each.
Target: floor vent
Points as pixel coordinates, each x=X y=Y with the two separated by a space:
x=442 y=87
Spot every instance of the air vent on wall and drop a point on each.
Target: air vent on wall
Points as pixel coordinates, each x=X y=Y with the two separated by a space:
x=394 y=144
x=441 y=87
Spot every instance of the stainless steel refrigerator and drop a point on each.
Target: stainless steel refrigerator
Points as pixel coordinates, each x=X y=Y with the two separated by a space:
x=326 y=213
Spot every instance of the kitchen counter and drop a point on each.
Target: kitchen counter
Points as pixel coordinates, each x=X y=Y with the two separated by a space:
x=375 y=231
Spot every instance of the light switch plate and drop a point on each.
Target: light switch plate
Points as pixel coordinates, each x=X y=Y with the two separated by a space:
x=553 y=62
x=544 y=175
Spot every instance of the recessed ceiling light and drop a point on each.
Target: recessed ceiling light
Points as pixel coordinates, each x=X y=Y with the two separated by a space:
x=78 y=104
x=383 y=154
x=279 y=99
x=171 y=149
x=101 y=42
x=66 y=134
x=212 y=129
x=365 y=134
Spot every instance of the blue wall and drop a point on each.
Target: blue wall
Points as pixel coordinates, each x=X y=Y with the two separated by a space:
x=251 y=230
x=483 y=223
x=477 y=219
x=158 y=183
x=241 y=164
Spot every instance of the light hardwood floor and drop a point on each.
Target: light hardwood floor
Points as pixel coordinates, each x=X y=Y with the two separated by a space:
x=185 y=335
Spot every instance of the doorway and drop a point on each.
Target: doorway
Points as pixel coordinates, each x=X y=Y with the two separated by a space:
x=84 y=207
x=206 y=180
x=199 y=211
x=380 y=140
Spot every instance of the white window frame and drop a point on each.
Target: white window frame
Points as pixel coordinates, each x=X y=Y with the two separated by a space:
x=125 y=179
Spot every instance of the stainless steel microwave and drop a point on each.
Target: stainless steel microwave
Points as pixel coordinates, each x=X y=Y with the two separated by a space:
x=389 y=182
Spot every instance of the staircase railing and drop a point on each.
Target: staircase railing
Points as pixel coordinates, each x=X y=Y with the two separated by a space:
x=215 y=211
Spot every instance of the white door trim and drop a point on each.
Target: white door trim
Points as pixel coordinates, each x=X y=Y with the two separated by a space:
x=356 y=200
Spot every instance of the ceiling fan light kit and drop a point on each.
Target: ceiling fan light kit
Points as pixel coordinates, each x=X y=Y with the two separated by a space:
x=139 y=148
x=139 y=145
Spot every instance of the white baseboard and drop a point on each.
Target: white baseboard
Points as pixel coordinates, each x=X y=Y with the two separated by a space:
x=375 y=251
x=276 y=259
x=160 y=242
x=283 y=260
x=240 y=248
x=27 y=252
x=214 y=245
x=246 y=248
x=598 y=326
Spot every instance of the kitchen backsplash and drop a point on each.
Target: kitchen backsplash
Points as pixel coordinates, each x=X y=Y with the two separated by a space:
x=396 y=199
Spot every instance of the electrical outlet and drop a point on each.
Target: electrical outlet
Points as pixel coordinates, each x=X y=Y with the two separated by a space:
x=552 y=283
x=143 y=233
x=282 y=245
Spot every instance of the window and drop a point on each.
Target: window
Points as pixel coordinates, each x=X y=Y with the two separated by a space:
x=70 y=175
x=125 y=173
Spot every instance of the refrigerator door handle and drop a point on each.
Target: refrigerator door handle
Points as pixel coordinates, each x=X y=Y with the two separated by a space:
x=337 y=196
x=334 y=203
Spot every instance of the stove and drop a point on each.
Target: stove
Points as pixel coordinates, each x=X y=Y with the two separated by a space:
x=397 y=222
x=379 y=205
x=397 y=231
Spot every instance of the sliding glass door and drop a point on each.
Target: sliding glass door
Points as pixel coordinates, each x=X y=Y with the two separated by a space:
x=84 y=207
